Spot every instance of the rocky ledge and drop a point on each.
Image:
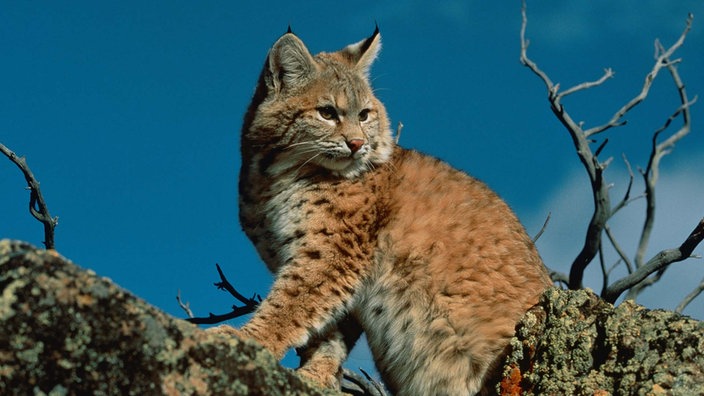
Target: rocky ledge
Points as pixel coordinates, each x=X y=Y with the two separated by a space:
x=65 y=331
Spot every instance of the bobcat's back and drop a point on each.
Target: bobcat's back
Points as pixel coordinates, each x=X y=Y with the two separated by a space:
x=365 y=235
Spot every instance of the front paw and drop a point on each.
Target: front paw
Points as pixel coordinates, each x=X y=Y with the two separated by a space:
x=327 y=378
x=227 y=330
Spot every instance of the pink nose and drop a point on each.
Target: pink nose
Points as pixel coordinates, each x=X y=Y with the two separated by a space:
x=355 y=144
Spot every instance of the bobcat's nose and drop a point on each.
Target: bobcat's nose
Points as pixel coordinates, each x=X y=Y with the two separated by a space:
x=355 y=144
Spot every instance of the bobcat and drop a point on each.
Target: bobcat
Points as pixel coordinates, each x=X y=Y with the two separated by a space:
x=364 y=235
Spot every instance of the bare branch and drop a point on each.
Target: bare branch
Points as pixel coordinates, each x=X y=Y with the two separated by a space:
x=355 y=384
x=652 y=171
x=655 y=264
x=627 y=196
x=214 y=319
x=690 y=297
x=594 y=168
x=399 y=128
x=224 y=284
x=604 y=272
x=524 y=52
x=37 y=205
x=600 y=189
x=608 y=73
x=542 y=229
x=250 y=304
x=662 y=59
x=185 y=306
x=558 y=277
x=618 y=249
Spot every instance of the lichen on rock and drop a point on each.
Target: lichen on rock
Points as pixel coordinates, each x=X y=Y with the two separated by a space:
x=573 y=343
x=64 y=330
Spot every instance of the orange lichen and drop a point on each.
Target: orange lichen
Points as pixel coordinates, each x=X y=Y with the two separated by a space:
x=511 y=384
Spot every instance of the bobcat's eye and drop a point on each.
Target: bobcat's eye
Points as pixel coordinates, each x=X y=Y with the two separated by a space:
x=327 y=112
x=364 y=115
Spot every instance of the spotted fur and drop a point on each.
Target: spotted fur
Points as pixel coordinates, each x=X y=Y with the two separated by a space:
x=364 y=235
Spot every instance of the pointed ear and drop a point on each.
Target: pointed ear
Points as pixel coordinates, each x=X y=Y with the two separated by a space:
x=289 y=64
x=362 y=54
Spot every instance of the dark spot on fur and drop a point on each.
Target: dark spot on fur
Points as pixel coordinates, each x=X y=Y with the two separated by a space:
x=405 y=307
x=377 y=311
x=406 y=325
x=300 y=203
x=321 y=201
x=325 y=231
x=313 y=254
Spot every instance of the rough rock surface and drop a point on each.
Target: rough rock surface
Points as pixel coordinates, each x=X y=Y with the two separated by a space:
x=66 y=331
x=573 y=343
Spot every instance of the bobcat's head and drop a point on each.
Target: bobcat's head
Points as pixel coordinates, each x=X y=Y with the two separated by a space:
x=316 y=112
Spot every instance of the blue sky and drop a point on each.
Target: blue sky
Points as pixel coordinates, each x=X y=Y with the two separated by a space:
x=129 y=115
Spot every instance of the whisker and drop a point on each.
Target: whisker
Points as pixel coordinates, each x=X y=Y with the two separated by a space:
x=310 y=142
x=295 y=173
x=299 y=143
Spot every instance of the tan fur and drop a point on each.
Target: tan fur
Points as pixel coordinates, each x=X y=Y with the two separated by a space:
x=364 y=235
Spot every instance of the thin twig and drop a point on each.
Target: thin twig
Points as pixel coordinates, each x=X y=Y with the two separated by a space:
x=661 y=60
x=542 y=229
x=627 y=196
x=224 y=284
x=608 y=73
x=558 y=277
x=524 y=51
x=604 y=271
x=37 y=205
x=250 y=304
x=690 y=297
x=355 y=384
x=214 y=319
x=379 y=387
x=399 y=128
x=618 y=248
x=185 y=306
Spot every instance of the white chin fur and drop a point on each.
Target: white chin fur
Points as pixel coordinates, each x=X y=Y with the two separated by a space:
x=346 y=168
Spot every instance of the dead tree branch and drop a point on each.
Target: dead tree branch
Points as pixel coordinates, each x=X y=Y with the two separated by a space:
x=651 y=173
x=37 y=205
x=250 y=304
x=690 y=297
x=185 y=306
x=355 y=384
x=662 y=59
x=655 y=264
x=542 y=229
x=639 y=271
x=594 y=168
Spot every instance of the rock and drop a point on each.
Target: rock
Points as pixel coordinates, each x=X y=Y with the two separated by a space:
x=66 y=331
x=573 y=343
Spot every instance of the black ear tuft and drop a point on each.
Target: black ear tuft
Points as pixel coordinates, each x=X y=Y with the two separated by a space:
x=289 y=29
x=369 y=41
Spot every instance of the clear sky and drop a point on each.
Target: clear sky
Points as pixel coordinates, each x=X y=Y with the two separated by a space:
x=129 y=114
